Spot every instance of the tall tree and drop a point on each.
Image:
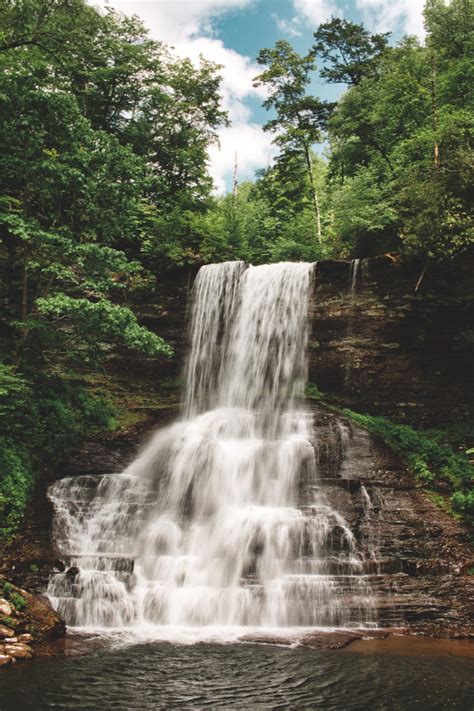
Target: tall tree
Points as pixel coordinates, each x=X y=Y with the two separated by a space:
x=300 y=119
x=348 y=52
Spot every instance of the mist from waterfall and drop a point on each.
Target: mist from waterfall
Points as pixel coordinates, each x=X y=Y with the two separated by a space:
x=221 y=520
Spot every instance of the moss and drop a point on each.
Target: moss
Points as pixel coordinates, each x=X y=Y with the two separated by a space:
x=18 y=601
x=7 y=589
x=8 y=622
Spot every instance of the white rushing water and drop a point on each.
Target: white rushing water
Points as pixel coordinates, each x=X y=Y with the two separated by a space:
x=221 y=520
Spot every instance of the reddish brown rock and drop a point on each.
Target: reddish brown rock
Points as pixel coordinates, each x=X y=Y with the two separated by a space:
x=19 y=651
x=37 y=619
x=5 y=632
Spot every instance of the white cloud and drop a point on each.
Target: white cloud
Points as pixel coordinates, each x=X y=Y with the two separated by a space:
x=253 y=147
x=288 y=27
x=316 y=11
x=313 y=11
x=383 y=16
x=187 y=25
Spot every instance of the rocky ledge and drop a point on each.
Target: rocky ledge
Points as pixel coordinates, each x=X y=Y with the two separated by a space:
x=25 y=620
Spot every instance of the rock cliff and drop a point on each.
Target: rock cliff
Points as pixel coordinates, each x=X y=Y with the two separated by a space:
x=383 y=347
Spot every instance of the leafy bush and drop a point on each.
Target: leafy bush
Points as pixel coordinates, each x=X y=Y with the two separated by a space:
x=464 y=504
x=7 y=589
x=18 y=601
x=8 y=622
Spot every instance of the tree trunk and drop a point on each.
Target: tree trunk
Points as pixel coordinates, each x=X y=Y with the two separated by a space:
x=314 y=194
x=434 y=109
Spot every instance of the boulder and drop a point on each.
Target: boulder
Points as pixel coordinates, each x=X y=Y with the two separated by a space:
x=37 y=619
x=5 y=607
x=6 y=632
x=5 y=660
x=19 y=651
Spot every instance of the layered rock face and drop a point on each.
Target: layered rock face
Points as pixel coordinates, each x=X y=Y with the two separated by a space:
x=414 y=553
x=382 y=346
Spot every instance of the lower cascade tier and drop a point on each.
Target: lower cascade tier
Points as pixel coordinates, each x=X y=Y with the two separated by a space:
x=185 y=536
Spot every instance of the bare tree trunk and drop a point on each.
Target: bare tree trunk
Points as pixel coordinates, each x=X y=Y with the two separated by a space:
x=314 y=194
x=234 y=177
x=434 y=110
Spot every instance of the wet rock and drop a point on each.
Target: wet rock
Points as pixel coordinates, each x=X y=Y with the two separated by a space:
x=37 y=619
x=5 y=632
x=329 y=640
x=25 y=638
x=266 y=639
x=386 y=350
x=5 y=608
x=5 y=660
x=19 y=651
x=72 y=572
x=376 y=634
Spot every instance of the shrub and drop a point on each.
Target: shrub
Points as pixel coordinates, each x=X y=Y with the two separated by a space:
x=18 y=601
x=7 y=590
x=8 y=622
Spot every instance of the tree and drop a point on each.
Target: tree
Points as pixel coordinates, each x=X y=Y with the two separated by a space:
x=348 y=51
x=300 y=119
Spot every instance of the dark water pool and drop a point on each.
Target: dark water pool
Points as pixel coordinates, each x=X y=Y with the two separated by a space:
x=212 y=676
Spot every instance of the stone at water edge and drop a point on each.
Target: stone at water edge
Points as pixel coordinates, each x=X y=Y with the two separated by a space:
x=5 y=607
x=19 y=651
x=38 y=617
x=329 y=640
x=6 y=632
x=5 y=660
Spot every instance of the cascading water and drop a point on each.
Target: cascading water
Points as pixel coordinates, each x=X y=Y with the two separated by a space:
x=222 y=519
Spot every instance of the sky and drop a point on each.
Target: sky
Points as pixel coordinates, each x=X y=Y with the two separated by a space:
x=231 y=33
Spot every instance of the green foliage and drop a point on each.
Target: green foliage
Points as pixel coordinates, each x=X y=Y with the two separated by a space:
x=7 y=590
x=8 y=622
x=18 y=601
x=464 y=504
x=40 y=419
x=312 y=391
x=349 y=52
x=101 y=321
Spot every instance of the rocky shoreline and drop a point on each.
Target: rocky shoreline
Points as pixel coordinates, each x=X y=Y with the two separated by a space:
x=26 y=620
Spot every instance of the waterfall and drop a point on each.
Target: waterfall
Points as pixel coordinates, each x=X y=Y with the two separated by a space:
x=222 y=519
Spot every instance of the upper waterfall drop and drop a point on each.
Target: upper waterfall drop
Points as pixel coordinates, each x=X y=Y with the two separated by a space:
x=222 y=519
